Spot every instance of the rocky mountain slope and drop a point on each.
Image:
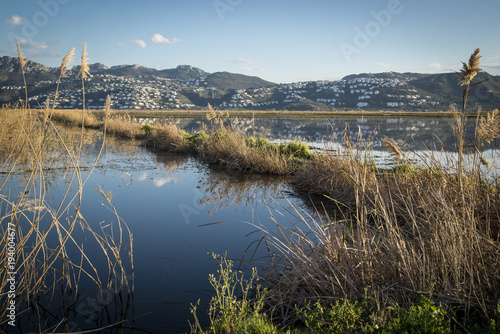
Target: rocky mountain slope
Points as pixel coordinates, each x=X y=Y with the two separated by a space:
x=187 y=87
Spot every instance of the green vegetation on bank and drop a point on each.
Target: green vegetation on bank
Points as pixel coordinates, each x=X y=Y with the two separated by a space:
x=234 y=309
x=411 y=249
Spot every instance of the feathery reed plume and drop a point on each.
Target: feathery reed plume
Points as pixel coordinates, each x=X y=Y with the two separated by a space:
x=22 y=62
x=470 y=70
x=107 y=112
x=68 y=59
x=84 y=72
x=467 y=73
x=394 y=150
x=489 y=129
x=107 y=106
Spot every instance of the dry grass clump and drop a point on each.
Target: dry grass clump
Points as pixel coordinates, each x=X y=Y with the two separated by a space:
x=403 y=232
x=230 y=149
x=403 y=238
x=48 y=258
x=76 y=118
x=124 y=127
x=338 y=177
x=489 y=129
x=168 y=137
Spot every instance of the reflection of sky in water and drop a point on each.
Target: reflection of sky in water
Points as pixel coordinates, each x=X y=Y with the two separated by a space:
x=164 y=198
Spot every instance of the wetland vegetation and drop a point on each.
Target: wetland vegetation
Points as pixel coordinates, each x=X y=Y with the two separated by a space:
x=405 y=249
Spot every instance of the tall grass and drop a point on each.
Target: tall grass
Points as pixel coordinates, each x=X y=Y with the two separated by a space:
x=50 y=263
x=419 y=230
x=416 y=236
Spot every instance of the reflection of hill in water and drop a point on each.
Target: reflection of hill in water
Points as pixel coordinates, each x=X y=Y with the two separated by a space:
x=410 y=133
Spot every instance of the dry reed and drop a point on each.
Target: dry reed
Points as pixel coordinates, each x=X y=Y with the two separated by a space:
x=401 y=232
x=124 y=127
x=168 y=137
x=50 y=262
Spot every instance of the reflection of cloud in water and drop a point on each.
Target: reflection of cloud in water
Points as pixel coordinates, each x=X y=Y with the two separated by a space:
x=142 y=177
x=160 y=182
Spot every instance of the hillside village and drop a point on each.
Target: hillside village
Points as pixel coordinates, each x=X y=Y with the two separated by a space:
x=133 y=87
x=160 y=93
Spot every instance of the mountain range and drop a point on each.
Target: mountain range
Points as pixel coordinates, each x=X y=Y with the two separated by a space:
x=187 y=87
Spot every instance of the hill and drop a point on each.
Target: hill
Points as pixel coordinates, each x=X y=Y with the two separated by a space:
x=187 y=87
x=227 y=81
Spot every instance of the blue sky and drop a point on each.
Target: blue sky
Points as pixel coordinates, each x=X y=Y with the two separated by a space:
x=277 y=40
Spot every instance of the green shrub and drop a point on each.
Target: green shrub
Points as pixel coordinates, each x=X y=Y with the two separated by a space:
x=148 y=129
x=195 y=139
x=425 y=317
x=231 y=309
x=296 y=149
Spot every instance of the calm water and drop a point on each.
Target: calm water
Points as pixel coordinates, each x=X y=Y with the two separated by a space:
x=427 y=136
x=166 y=198
x=411 y=133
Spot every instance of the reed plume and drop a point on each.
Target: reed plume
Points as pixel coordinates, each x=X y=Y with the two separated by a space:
x=84 y=72
x=470 y=70
x=22 y=62
x=489 y=129
x=68 y=59
x=394 y=150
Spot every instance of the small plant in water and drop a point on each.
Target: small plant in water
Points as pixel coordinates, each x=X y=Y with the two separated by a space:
x=231 y=309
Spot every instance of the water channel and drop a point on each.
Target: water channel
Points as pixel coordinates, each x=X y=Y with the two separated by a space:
x=179 y=209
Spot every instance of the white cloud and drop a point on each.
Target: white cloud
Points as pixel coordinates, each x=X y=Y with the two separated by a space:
x=139 y=42
x=493 y=57
x=435 y=66
x=157 y=38
x=242 y=61
x=28 y=43
x=384 y=65
x=15 y=20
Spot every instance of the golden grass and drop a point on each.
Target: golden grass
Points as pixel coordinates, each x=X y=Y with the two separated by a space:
x=76 y=118
x=402 y=232
x=124 y=127
x=229 y=149
x=168 y=137
x=489 y=129
x=49 y=262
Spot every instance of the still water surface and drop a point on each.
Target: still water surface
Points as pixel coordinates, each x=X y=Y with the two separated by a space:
x=164 y=198
x=179 y=209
